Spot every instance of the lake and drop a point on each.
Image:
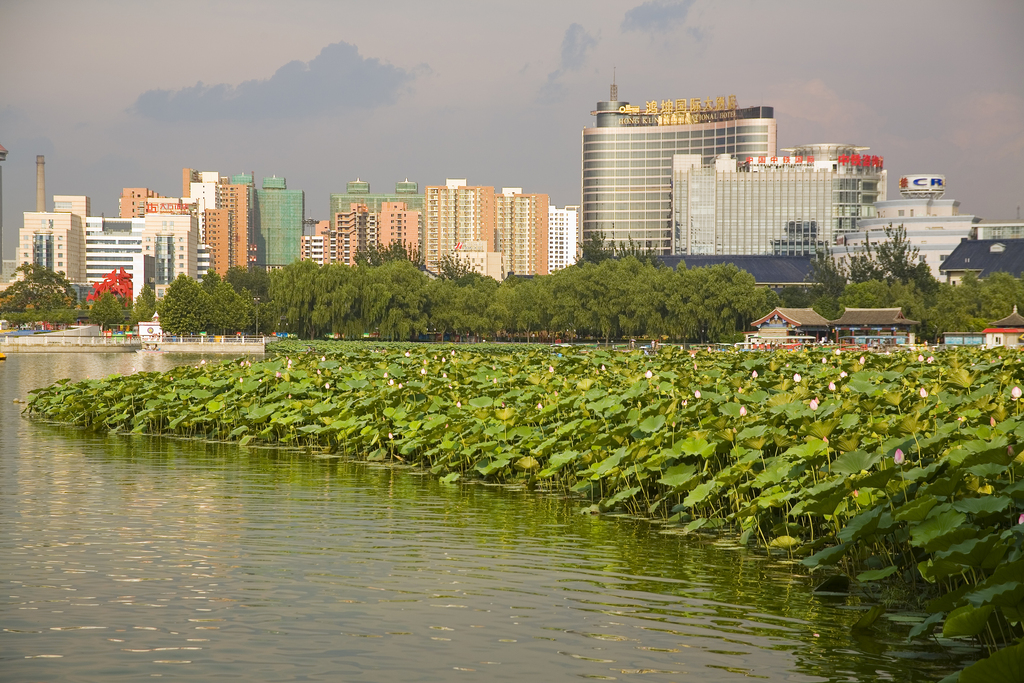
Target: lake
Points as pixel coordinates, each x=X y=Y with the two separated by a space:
x=132 y=557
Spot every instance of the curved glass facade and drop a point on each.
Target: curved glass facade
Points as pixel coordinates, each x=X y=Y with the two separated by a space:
x=627 y=167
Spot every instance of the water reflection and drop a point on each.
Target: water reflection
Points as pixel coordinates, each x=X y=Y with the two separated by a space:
x=131 y=557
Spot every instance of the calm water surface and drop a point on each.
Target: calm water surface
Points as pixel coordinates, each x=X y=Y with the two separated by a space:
x=129 y=558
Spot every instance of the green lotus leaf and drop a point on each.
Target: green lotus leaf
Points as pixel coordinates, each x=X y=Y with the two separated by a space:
x=481 y=402
x=854 y=462
x=984 y=505
x=915 y=510
x=827 y=556
x=700 y=493
x=1004 y=666
x=653 y=424
x=877 y=574
x=678 y=476
x=966 y=621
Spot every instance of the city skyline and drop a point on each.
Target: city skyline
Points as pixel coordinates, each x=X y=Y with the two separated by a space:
x=934 y=87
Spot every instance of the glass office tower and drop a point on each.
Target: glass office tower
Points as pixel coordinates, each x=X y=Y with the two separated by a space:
x=627 y=160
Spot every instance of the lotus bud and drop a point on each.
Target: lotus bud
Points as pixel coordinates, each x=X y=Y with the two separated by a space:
x=649 y=374
x=924 y=394
x=920 y=359
x=898 y=457
x=743 y=411
x=754 y=374
x=831 y=386
x=843 y=373
x=797 y=378
x=327 y=385
x=540 y=406
x=1015 y=392
x=862 y=360
x=551 y=368
x=1020 y=520
x=814 y=404
x=696 y=394
x=992 y=421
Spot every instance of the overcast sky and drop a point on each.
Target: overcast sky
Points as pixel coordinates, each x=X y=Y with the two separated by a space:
x=127 y=93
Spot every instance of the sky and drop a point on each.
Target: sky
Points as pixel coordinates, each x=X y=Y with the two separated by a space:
x=126 y=93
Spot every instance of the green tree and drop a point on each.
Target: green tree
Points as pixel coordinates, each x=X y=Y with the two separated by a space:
x=228 y=310
x=107 y=311
x=457 y=270
x=380 y=254
x=595 y=249
x=185 y=307
x=39 y=289
x=255 y=280
x=144 y=306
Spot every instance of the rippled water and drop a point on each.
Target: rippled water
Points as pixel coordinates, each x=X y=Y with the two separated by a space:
x=132 y=557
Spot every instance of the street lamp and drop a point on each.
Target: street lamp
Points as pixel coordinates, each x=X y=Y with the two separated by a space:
x=257 y=300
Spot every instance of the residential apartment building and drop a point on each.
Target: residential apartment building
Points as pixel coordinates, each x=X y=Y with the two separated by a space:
x=563 y=236
x=356 y=231
x=318 y=243
x=358 y=192
x=457 y=213
x=398 y=222
x=171 y=237
x=132 y=203
x=114 y=243
x=521 y=229
x=55 y=240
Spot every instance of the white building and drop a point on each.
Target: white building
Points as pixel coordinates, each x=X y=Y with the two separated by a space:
x=171 y=237
x=563 y=236
x=934 y=225
x=112 y=243
x=791 y=205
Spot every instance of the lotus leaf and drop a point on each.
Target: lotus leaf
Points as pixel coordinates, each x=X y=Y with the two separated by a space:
x=966 y=621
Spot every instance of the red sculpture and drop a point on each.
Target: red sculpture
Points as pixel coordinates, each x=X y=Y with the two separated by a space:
x=117 y=282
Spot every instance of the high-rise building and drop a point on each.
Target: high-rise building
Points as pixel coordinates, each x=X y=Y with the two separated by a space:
x=219 y=231
x=278 y=225
x=358 y=192
x=113 y=243
x=563 y=234
x=397 y=222
x=521 y=229
x=457 y=213
x=206 y=194
x=317 y=242
x=171 y=237
x=55 y=240
x=792 y=205
x=132 y=203
x=627 y=160
x=356 y=231
x=239 y=197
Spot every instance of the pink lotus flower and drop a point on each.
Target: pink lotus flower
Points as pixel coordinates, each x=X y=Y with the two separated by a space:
x=696 y=394
x=1020 y=520
x=327 y=385
x=931 y=359
x=824 y=360
x=423 y=371
x=838 y=352
x=992 y=421
x=743 y=411
x=318 y=372
x=843 y=373
x=754 y=374
x=458 y=404
x=551 y=368
x=831 y=386
x=649 y=374
x=920 y=359
x=323 y=358
x=391 y=382
x=856 y=493
x=602 y=368
x=540 y=406
x=277 y=374
x=685 y=403
x=924 y=394
x=1015 y=392
x=390 y=435
x=406 y=354
x=399 y=385
x=385 y=374
x=862 y=360
x=898 y=457
x=814 y=404
x=444 y=375
x=797 y=378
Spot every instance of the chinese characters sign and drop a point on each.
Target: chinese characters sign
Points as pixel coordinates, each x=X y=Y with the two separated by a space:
x=679 y=112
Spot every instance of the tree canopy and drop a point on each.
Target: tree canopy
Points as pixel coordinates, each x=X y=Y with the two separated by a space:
x=39 y=289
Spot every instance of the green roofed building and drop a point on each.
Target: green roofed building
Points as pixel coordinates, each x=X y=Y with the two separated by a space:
x=278 y=229
x=358 y=192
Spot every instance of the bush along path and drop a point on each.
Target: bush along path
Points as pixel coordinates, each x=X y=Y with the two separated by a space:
x=900 y=470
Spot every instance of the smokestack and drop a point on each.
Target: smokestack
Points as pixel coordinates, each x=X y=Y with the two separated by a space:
x=40 y=184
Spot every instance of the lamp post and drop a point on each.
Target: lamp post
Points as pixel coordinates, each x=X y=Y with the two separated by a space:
x=257 y=300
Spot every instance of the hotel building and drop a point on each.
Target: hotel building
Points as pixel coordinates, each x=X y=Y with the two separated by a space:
x=171 y=237
x=627 y=160
x=792 y=205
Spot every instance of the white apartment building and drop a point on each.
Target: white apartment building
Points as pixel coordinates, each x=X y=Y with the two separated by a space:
x=563 y=236
x=113 y=243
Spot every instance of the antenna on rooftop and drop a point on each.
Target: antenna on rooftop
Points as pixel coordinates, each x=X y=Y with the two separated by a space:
x=615 y=89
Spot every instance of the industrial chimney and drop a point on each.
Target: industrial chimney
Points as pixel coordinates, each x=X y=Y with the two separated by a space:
x=40 y=184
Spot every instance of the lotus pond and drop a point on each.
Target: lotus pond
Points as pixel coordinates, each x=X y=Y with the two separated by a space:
x=899 y=475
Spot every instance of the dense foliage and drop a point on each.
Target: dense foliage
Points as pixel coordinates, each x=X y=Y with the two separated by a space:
x=893 y=468
x=107 y=310
x=607 y=300
x=39 y=289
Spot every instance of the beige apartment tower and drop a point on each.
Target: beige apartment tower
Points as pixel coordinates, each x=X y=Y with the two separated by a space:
x=521 y=224
x=132 y=203
x=457 y=213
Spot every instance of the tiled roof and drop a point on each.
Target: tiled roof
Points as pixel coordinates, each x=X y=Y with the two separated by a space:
x=768 y=270
x=1012 y=320
x=804 y=317
x=985 y=257
x=873 y=316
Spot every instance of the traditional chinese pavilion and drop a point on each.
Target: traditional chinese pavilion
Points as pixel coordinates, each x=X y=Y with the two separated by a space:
x=788 y=326
x=1005 y=332
x=874 y=327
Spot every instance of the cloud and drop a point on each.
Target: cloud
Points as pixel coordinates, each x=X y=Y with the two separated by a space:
x=816 y=109
x=576 y=43
x=656 y=16
x=337 y=78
